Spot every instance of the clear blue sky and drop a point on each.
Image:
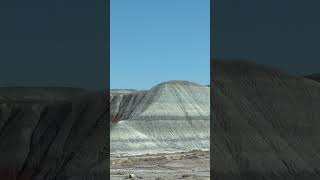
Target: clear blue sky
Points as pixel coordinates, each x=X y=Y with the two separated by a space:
x=152 y=41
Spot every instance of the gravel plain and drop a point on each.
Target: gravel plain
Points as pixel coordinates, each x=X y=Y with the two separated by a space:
x=185 y=165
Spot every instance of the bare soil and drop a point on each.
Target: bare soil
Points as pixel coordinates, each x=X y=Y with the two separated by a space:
x=187 y=165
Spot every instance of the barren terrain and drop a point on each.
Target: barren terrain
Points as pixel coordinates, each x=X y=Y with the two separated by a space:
x=185 y=165
x=171 y=122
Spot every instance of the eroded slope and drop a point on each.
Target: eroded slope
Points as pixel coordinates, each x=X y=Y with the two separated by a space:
x=265 y=123
x=172 y=116
x=47 y=138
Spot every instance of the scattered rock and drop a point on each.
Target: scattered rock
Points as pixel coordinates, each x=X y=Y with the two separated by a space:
x=131 y=176
x=186 y=175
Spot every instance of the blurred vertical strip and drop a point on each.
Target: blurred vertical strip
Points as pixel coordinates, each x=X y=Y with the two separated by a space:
x=211 y=86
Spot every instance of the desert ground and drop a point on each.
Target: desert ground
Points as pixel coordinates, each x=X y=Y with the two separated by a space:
x=185 y=165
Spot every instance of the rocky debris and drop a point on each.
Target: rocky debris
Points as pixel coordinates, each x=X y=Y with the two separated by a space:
x=46 y=138
x=162 y=166
x=265 y=123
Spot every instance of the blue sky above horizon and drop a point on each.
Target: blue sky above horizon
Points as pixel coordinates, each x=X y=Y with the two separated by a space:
x=156 y=41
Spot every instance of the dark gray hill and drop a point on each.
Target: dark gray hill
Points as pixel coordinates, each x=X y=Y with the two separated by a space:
x=38 y=93
x=266 y=124
x=315 y=77
x=44 y=138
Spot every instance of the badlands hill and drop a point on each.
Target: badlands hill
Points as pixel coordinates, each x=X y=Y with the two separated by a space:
x=53 y=133
x=172 y=116
x=33 y=94
x=315 y=77
x=266 y=124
